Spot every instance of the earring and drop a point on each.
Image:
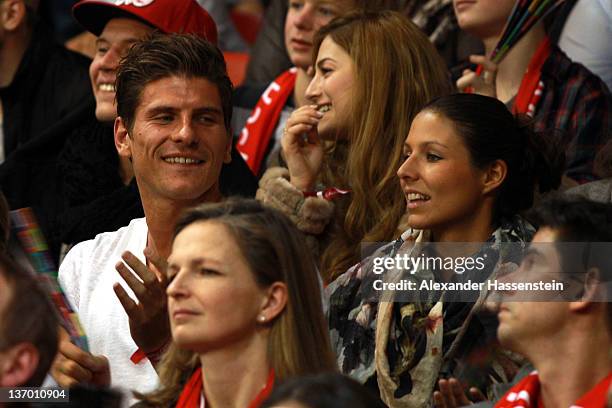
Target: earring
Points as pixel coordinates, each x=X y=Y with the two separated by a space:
x=261 y=318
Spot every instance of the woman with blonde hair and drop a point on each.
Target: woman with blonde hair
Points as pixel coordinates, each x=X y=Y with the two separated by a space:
x=245 y=308
x=373 y=73
x=261 y=133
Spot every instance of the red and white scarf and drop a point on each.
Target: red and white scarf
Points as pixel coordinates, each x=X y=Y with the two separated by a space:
x=526 y=394
x=532 y=87
x=259 y=128
x=191 y=396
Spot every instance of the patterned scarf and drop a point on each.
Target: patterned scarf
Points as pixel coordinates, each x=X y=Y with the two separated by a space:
x=409 y=345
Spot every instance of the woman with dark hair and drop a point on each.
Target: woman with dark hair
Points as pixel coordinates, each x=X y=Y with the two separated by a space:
x=245 y=308
x=469 y=169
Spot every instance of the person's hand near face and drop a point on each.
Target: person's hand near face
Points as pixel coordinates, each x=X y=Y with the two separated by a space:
x=302 y=147
x=482 y=83
x=330 y=91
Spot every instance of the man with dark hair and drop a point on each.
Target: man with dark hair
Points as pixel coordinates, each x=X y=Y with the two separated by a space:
x=98 y=186
x=173 y=101
x=28 y=328
x=568 y=342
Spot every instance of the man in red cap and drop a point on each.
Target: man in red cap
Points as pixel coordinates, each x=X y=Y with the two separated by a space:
x=119 y=24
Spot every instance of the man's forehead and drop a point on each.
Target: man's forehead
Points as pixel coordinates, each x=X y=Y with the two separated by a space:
x=178 y=90
x=545 y=244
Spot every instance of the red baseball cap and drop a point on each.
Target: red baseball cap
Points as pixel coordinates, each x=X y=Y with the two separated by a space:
x=168 y=16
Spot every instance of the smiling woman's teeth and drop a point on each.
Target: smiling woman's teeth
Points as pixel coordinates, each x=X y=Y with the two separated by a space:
x=324 y=108
x=182 y=160
x=417 y=196
x=107 y=87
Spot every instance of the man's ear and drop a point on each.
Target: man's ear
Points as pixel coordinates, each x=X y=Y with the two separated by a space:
x=494 y=176
x=13 y=14
x=274 y=303
x=590 y=291
x=19 y=365
x=227 y=158
x=122 y=138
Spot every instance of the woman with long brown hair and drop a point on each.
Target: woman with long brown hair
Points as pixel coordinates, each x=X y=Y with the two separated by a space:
x=245 y=308
x=373 y=73
x=261 y=133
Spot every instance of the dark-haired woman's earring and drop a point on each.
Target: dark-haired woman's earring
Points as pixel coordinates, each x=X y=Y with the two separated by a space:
x=261 y=318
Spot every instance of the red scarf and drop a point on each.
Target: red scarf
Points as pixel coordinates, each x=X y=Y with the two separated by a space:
x=191 y=395
x=526 y=394
x=259 y=128
x=531 y=89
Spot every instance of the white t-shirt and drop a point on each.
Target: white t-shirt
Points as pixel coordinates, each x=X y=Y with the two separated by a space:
x=87 y=275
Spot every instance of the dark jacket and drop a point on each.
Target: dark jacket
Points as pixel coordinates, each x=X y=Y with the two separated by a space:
x=49 y=96
x=576 y=108
x=50 y=85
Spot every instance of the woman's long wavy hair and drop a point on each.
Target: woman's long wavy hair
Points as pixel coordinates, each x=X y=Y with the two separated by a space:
x=397 y=71
x=275 y=252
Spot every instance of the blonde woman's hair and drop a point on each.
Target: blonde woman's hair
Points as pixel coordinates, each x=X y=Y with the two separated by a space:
x=397 y=72
x=275 y=252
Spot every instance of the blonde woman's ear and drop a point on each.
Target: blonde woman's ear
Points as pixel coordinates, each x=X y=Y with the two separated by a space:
x=274 y=302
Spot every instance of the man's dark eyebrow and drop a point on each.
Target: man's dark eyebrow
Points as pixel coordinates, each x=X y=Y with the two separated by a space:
x=156 y=110
x=209 y=109
x=127 y=41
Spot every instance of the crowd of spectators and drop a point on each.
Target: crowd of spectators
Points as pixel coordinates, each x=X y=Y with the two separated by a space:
x=219 y=183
